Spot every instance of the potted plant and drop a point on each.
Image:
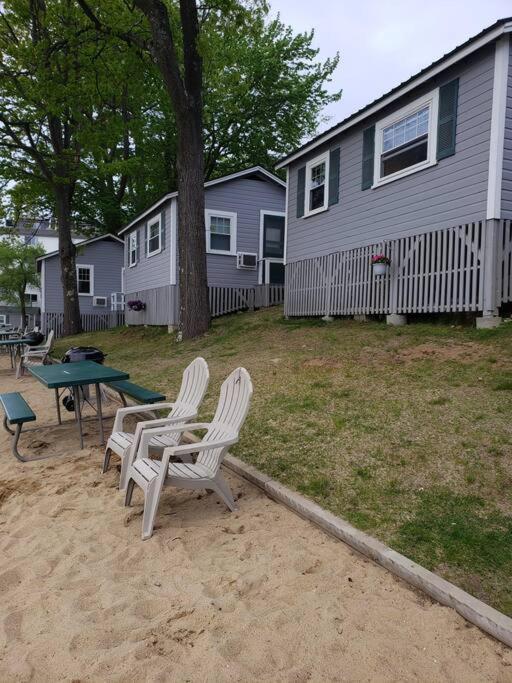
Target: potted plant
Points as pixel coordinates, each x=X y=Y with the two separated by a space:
x=380 y=263
x=136 y=305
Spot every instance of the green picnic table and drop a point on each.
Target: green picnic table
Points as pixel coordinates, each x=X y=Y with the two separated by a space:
x=13 y=346
x=76 y=376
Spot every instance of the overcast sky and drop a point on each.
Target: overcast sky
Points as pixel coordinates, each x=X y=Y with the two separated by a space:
x=382 y=43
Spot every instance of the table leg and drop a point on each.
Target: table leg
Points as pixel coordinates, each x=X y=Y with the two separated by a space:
x=57 y=403
x=11 y=357
x=78 y=413
x=100 y=415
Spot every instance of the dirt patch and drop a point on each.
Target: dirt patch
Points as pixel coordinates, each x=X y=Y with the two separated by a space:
x=323 y=363
x=463 y=353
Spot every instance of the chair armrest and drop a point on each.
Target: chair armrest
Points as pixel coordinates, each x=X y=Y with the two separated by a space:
x=142 y=408
x=167 y=421
x=188 y=448
x=148 y=434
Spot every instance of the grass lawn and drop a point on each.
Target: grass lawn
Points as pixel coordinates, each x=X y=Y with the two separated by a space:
x=405 y=432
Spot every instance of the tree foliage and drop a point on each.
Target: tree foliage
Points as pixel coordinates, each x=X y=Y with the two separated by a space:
x=17 y=270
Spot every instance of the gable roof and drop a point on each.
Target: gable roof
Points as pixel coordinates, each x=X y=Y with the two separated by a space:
x=486 y=36
x=85 y=243
x=252 y=171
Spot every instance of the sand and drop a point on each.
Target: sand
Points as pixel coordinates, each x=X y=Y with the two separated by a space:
x=213 y=596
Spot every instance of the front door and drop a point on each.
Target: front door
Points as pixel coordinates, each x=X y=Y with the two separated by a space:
x=273 y=249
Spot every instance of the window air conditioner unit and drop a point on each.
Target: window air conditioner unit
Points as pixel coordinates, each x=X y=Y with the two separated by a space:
x=246 y=261
x=99 y=301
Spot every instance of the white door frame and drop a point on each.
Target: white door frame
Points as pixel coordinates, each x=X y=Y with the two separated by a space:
x=261 y=260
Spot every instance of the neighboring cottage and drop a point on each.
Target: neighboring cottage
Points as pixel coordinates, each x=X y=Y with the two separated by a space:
x=35 y=232
x=99 y=266
x=423 y=174
x=245 y=233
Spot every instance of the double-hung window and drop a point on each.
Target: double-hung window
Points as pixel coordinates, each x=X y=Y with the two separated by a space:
x=220 y=232
x=132 y=249
x=405 y=141
x=317 y=173
x=85 y=280
x=154 y=236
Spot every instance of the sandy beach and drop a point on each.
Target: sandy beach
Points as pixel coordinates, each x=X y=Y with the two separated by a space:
x=213 y=596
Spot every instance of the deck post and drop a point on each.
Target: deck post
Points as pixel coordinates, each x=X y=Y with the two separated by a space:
x=490 y=273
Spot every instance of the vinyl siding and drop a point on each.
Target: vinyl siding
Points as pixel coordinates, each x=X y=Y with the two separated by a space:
x=107 y=258
x=152 y=271
x=506 y=191
x=243 y=196
x=452 y=191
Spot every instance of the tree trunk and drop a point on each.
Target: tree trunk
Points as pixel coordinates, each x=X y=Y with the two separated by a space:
x=67 y=253
x=23 y=310
x=194 y=306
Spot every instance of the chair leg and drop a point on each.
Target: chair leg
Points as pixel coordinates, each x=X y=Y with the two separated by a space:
x=125 y=469
x=221 y=488
x=129 y=493
x=151 y=500
x=106 y=460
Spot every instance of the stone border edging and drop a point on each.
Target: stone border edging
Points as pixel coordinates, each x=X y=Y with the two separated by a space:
x=475 y=611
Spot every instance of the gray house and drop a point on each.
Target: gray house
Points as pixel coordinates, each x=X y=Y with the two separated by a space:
x=422 y=175
x=99 y=265
x=244 y=233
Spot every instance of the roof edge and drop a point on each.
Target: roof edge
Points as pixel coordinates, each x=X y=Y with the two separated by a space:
x=83 y=244
x=208 y=183
x=486 y=36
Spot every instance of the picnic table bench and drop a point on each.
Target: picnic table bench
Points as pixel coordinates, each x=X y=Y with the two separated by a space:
x=138 y=393
x=16 y=412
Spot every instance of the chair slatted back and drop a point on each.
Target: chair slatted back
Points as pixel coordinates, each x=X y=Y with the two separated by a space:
x=193 y=387
x=232 y=409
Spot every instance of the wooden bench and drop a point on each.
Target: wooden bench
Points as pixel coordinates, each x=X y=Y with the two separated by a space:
x=17 y=412
x=138 y=393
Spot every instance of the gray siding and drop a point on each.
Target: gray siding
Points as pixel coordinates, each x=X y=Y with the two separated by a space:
x=506 y=191
x=161 y=306
x=107 y=258
x=453 y=191
x=152 y=271
x=245 y=197
x=14 y=314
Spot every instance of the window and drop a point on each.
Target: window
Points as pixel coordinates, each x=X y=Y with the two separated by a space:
x=132 y=249
x=317 y=172
x=405 y=141
x=221 y=232
x=3 y=319
x=31 y=298
x=154 y=237
x=85 y=280
x=99 y=301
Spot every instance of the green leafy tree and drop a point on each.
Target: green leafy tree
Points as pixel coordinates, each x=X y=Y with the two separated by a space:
x=18 y=270
x=59 y=98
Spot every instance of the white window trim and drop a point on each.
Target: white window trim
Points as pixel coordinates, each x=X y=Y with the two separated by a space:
x=95 y=301
x=3 y=318
x=314 y=162
x=150 y=224
x=91 y=271
x=432 y=101
x=134 y=234
x=261 y=258
x=233 y=241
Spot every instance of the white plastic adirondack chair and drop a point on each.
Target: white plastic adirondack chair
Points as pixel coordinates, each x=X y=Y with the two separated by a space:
x=36 y=355
x=193 y=388
x=222 y=432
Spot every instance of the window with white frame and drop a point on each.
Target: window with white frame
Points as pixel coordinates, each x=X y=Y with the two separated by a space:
x=220 y=232
x=85 y=280
x=132 y=248
x=3 y=319
x=31 y=298
x=154 y=237
x=317 y=173
x=405 y=141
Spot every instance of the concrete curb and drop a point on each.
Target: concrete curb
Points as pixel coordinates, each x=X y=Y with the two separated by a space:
x=475 y=611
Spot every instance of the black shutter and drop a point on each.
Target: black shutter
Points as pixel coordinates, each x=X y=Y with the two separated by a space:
x=146 y=238
x=162 y=230
x=368 y=157
x=301 y=190
x=447 y=121
x=334 y=176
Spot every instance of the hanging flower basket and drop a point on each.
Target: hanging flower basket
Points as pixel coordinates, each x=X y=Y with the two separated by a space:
x=380 y=264
x=136 y=305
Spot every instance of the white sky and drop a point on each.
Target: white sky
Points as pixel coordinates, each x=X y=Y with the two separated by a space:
x=382 y=43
